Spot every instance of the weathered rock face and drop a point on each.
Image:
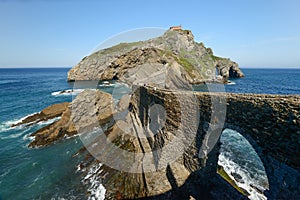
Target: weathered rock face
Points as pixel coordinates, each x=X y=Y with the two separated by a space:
x=146 y=66
x=75 y=117
x=91 y=108
x=197 y=63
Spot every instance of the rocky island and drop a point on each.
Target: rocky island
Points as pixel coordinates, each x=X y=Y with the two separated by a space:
x=161 y=141
x=175 y=52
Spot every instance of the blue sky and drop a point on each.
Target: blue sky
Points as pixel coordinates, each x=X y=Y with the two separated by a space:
x=58 y=33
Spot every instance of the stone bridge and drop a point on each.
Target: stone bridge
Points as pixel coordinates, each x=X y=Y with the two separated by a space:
x=271 y=124
x=164 y=144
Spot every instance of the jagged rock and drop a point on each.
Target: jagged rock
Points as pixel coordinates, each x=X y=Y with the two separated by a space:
x=89 y=109
x=228 y=69
x=140 y=67
x=50 y=112
x=175 y=50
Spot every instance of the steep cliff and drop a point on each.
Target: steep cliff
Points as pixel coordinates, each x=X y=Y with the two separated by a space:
x=175 y=50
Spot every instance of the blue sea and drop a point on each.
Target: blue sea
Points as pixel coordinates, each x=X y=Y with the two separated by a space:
x=264 y=81
x=50 y=172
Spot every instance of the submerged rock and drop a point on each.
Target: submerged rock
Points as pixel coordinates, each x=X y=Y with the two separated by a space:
x=258 y=189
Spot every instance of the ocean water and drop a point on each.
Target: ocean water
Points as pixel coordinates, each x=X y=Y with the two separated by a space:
x=264 y=81
x=240 y=160
x=34 y=174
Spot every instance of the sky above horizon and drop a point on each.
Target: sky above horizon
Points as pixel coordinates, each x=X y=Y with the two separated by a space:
x=59 y=33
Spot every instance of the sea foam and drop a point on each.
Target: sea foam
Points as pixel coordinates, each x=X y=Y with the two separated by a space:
x=231 y=83
x=67 y=92
x=238 y=157
x=11 y=136
x=231 y=167
x=6 y=126
x=21 y=130
x=97 y=190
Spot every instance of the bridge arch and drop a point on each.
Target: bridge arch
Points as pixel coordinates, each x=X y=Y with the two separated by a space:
x=244 y=158
x=271 y=124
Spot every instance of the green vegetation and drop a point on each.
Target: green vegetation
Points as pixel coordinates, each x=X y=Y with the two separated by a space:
x=117 y=48
x=227 y=178
x=216 y=58
x=186 y=65
x=122 y=46
x=184 y=62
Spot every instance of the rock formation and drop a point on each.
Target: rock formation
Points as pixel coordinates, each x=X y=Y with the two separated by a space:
x=50 y=112
x=175 y=50
x=74 y=117
x=228 y=69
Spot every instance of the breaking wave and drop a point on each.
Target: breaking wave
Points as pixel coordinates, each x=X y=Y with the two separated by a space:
x=242 y=164
x=6 y=126
x=8 y=132
x=96 y=189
